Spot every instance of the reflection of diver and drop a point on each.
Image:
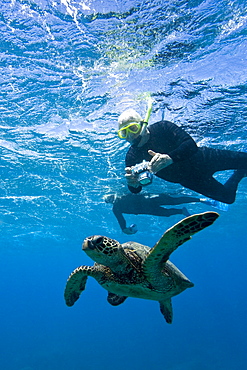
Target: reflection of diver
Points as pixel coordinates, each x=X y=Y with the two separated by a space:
x=145 y=204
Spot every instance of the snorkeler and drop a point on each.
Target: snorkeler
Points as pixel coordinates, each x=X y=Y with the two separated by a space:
x=146 y=204
x=175 y=157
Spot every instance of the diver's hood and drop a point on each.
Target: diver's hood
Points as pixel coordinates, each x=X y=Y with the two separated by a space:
x=128 y=116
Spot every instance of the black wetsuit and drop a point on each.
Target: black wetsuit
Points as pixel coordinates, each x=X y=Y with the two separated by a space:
x=193 y=167
x=147 y=204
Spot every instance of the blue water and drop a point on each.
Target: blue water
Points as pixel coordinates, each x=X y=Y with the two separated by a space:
x=68 y=69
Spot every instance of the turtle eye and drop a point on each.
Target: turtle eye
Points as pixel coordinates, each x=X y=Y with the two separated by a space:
x=98 y=240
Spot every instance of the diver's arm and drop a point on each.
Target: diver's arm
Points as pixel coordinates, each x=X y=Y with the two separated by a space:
x=159 y=161
x=119 y=216
x=185 y=144
x=132 y=229
x=169 y=134
x=134 y=190
x=132 y=181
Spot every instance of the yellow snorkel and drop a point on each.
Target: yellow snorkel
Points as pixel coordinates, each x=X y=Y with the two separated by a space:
x=149 y=110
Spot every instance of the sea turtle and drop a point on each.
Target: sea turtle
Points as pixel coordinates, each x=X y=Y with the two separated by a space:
x=135 y=270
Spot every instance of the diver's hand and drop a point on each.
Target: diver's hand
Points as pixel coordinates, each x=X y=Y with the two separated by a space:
x=131 y=178
x=132 y=229
x=159 y=161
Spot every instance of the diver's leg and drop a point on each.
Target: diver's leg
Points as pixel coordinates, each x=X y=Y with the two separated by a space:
x=164 y=212
x=222 y=160
x=231 y=185
x=165 y=199
x=212 y=188
x=214 y=160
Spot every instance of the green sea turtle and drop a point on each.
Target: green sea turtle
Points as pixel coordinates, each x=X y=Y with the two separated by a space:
x=135 y=270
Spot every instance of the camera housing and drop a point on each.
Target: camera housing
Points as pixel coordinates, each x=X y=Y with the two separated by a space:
x=145 y=176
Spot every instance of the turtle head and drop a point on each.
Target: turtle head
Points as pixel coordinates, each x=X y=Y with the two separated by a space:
x=102 y=250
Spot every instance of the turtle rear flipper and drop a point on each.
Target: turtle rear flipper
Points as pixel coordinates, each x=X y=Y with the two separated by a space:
x=115 y=299
x=174 y=237
x=166 y=310
x=76 y=283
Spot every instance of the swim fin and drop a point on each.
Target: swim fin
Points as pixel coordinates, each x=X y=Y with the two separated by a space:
x=215 y=203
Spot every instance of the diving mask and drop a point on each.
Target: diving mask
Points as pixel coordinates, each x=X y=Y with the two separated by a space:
x=133 y=128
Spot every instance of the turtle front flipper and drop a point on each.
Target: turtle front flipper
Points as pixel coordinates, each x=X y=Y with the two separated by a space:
x=115 y=299
x=176 y=236
x=76 y=283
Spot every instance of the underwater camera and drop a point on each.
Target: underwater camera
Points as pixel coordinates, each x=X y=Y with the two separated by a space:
x=145 y=177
